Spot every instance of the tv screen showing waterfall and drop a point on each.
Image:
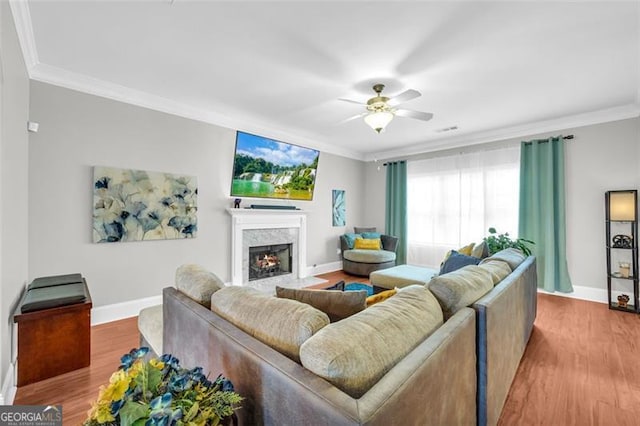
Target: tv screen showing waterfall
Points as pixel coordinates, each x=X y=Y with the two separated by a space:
x=266 y=168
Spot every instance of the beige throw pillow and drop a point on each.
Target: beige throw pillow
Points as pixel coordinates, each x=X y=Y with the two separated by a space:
x=480 y=250
x=336 y=304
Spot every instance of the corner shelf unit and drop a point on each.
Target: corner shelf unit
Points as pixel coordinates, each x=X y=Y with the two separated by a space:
x=621 y=212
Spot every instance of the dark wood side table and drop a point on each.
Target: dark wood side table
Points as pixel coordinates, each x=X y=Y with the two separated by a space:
x=53 y=341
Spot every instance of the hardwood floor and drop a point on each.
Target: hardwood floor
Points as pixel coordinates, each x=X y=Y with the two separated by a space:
x=580 y=368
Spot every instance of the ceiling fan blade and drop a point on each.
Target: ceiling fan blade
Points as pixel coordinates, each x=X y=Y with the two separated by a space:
x=355 y=117
x=352 y=101
x=405 y=96
x=418 y=115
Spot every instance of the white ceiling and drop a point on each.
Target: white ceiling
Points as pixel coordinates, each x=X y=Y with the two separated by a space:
x=494 y=69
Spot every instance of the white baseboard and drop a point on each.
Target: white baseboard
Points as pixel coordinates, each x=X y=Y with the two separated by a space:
x=324 y=268
x=591 y=294
x=119 y=311
x=131 y=308
x=8 y=392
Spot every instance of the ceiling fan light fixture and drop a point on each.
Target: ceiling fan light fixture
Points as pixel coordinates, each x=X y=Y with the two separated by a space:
x=378 y=120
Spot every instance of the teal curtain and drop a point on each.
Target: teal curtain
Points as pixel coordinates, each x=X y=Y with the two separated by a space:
x=396 y=207
x=542 y=210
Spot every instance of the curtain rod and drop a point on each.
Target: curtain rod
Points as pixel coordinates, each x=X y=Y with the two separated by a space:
x=568 y=137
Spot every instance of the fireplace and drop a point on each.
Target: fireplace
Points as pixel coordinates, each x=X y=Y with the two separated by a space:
x=269 y=261
x=275 y=228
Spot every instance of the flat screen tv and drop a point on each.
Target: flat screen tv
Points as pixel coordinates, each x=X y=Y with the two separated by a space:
x=266 y=168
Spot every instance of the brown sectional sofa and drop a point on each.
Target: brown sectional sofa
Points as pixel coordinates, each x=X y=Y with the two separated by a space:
x=459 y=374
x=280 y=391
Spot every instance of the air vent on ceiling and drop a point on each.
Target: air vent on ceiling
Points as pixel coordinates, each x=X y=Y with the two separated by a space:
x=447 y=129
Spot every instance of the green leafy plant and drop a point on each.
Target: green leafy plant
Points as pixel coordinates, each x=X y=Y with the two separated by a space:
x=496 y=242
x=159 y=392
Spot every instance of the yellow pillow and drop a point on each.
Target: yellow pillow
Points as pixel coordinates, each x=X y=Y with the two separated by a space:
x=367 y=244
x=463 y=250
x=466 y=249
x=383 y=295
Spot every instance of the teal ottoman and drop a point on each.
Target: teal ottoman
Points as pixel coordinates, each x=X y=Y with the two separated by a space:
x=400 y=276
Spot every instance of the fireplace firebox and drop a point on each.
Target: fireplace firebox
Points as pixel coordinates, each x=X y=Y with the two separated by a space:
x=269 y=261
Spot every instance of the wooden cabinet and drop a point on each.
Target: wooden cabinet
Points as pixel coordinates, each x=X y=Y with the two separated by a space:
x=621 y=212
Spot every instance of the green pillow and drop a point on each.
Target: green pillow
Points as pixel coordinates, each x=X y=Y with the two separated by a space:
x=351 y=239
x=371 y=235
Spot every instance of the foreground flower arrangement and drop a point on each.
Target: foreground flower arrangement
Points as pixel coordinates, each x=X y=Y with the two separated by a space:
x=160 y=392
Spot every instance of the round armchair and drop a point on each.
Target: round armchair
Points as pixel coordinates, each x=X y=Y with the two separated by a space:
x=362 y=262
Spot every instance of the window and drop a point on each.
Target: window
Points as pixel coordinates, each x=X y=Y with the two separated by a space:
x=453 y=201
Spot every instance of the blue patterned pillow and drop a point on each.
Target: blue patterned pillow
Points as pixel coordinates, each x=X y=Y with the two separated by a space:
x=371 y=235
x=457 y=261
x=351 y=239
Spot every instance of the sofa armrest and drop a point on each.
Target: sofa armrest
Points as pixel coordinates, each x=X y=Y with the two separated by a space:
x=435 y=384
x=344 y=245
x=505 y=319
x=389 y=242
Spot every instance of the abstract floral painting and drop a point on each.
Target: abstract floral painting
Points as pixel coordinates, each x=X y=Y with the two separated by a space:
x=136 y=205
x=339 y=210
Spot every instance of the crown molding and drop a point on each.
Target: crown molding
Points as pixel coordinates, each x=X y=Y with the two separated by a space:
x=554 y=125
x=94 y=86
x=24 y=28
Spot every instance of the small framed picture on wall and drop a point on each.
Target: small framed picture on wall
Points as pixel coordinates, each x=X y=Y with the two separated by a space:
x=339 y=212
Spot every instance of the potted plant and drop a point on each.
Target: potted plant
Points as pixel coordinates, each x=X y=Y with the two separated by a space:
x=160 y=392
x=496 y=242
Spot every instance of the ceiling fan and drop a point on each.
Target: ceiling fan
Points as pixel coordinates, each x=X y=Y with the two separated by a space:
x=381 y=109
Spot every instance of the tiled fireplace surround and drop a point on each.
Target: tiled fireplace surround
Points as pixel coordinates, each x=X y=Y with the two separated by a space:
x=253 y=227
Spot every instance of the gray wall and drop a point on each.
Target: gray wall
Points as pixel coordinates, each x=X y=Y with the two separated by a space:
x=78 y=131
x=602 y=157
x=14 y=88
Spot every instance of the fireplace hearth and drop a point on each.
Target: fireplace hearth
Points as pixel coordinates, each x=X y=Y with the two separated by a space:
x=269 y=261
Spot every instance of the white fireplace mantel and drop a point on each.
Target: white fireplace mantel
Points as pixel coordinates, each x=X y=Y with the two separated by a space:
x=245 y=219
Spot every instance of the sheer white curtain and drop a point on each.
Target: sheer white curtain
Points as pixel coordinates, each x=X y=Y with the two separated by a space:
x=453 y=201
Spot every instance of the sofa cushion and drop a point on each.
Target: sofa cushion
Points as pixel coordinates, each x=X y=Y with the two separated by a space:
x=360 y=229
x=456 y=261
x=356 y=352
x=282 y=324
x=512 y=256
x=198 y=283
x=150 y=327
x=367 y=244
x=336 y=304
x=497 y=268
x=460 y=288
x=369 y=256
